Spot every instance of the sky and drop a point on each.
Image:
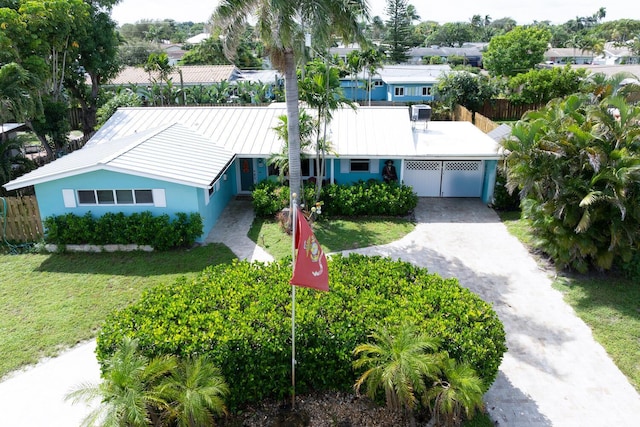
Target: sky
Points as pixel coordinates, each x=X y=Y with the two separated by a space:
x=523 y=12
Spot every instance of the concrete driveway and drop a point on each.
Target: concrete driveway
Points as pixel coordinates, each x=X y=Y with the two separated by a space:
x=554 y=373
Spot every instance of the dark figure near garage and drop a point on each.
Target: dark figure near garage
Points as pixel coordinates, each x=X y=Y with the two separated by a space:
x=389 y=172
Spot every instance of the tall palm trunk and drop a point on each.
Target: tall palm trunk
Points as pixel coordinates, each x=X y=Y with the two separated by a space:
x=293 y=121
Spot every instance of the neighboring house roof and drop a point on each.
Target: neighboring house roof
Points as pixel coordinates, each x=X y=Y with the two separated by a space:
x=12 y=127
x=170 y=152
x=425 y=51
x=567 y=52
x=191 y=75
x=500 y=133
x=261 y=76
x=397 y=74
x=198 y=38
x=611 y=70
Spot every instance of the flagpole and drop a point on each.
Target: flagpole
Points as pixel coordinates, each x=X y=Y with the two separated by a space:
x=294 y=223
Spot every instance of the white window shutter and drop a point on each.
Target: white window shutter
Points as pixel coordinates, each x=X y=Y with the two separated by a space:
x=69 y=197
x=374 y=166
x=345 y=165
x=159 y=199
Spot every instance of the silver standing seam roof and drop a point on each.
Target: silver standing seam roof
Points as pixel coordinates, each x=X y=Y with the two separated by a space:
x=194 y=145
x=172 y=153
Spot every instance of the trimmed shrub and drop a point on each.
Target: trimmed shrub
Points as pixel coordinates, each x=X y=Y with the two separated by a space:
x=371 y=198
x=116 y=228
x=240 y=316
x=502 y=200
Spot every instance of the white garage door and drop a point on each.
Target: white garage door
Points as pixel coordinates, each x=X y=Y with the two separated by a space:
x=449 y=178
x=424 y=176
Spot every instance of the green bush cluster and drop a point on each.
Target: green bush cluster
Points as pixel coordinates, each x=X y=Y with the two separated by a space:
x=371 y=198
x=142 y=228
x=269 y=198
x=239 y=315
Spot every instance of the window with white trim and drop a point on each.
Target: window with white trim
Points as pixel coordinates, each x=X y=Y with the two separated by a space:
x=399 y=91
x=426 y=91
x=115 y=197
x=377 y=83
x=359 y=165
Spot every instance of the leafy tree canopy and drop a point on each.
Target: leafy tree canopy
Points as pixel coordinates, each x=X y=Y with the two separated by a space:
x=517 y=51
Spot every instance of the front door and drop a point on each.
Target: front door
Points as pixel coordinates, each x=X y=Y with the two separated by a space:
x=246 y=174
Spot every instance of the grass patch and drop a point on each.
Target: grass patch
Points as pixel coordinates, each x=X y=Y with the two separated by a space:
x=610 y=305
x=334 y=235
x=607 y=303
x=51 y=302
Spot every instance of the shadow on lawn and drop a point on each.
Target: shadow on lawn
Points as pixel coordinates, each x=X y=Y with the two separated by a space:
x=143 y=264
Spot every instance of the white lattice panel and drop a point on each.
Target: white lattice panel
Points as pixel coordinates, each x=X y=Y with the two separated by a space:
x=423 y=165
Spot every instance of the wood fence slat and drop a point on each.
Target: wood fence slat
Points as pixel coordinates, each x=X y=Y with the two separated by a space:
x=23 y=219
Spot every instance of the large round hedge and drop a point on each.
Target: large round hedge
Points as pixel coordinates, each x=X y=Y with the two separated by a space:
x=240 y=315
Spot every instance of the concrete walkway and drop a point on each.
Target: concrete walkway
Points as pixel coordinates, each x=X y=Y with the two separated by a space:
x=554 y=373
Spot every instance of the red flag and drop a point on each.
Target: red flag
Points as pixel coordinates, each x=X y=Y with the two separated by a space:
x=310 y=269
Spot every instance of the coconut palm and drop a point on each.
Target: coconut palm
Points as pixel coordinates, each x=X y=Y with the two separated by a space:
x=194 y=393
x=456 y=392
x=399 y=360
x=281 y=25
x=128 y=393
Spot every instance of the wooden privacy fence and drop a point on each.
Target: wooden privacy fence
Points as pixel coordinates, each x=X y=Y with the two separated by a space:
x=23 y=223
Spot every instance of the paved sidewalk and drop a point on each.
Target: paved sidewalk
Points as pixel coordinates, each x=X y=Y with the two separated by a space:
x=231 y=229
x=554 y=373
x=34 y=396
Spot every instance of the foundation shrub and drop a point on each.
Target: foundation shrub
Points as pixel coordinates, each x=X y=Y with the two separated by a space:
x=371 y=198
x=240 y=316
x=142 y=228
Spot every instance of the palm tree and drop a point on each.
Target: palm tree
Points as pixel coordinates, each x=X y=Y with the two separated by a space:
x=281 y=25
x=399 y=360
x=128 y=391
x=458 y=391
x=320 y=89
x=194 y=393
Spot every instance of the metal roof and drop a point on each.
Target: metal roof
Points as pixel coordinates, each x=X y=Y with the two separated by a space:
x=172 y=153
x=395 y=74
x=193 y=145
x=247 y=131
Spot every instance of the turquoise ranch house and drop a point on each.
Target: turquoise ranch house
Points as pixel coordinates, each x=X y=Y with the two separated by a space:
x=196 y=159
x=395 y=83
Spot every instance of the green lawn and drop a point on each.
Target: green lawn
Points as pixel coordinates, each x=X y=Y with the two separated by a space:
x=608 y=303
x=50 y=302
x=334 y=235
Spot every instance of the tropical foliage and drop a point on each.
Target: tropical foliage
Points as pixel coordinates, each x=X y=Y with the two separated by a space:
x=399 y=361
x=193 y=317
x=576 y=165
x=281 y=26
x=139 y=391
